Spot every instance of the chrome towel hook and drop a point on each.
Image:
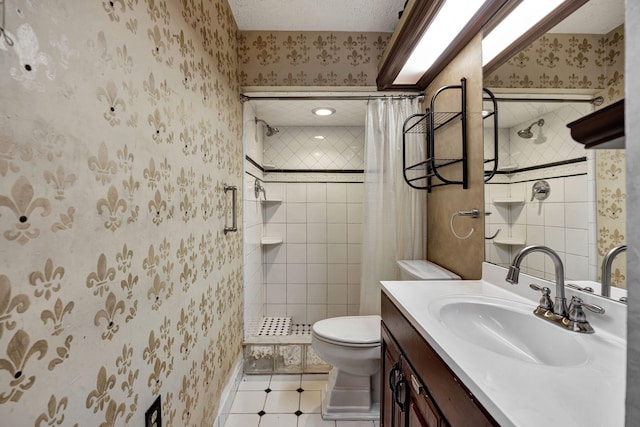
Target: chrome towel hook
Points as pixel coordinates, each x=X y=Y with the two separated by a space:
x=3 y=28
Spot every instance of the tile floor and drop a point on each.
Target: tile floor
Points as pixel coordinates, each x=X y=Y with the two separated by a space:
x=283 y=401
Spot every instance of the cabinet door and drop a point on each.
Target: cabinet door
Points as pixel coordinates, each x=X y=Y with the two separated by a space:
x=422 y=409
x=393 y=383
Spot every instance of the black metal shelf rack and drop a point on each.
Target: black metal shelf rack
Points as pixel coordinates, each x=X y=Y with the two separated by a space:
x=421 y=175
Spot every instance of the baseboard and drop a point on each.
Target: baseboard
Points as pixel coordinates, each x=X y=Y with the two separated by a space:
x=229 y=392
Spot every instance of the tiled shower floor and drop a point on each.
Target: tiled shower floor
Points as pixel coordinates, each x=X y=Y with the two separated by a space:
x=283 y=401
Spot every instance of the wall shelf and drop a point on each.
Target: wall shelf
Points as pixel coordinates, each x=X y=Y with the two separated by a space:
x=509 y=241
x=267 y=241
x=603 y=128
x=271 y=201
x=420 y=175
x=508 y=201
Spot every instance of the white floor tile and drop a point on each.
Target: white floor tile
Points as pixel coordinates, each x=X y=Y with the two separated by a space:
x=285 y=382
x=248 y=402
x=242 y=420
x=310 y=401
x=282 y=402
x=314 y=420
x=354 y=423
x=278 y=420
x=314 y=381
x=255 y=382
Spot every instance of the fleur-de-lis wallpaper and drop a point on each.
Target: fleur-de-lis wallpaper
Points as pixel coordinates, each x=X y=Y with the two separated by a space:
x=286 y=58
x=120 y=123
x=567 y=61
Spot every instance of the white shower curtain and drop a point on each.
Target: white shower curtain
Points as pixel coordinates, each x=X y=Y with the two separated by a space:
x=394 y=223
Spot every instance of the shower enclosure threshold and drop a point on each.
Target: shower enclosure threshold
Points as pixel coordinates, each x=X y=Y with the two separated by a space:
x=280 y=347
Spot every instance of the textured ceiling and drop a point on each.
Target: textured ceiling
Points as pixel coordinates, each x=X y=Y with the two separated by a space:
x=595 y=17
x=317 y=15
x=298 y=113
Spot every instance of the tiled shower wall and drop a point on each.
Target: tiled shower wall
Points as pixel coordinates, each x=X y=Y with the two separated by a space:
x=316 y=147
x=315 y=272
x=566 y=220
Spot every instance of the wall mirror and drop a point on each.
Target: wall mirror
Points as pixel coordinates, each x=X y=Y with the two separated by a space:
x=547 y=188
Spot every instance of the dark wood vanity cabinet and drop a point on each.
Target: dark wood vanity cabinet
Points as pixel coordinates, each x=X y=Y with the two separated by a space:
x=418 y=389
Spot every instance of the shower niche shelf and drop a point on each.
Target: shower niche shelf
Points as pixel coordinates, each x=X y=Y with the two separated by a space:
x=267 y=241
x=509 y=241
x=273 y=201
x=508 y=201
x=429 y=173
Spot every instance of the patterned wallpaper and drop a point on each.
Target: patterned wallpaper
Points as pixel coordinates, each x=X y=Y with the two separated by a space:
x=582 y=61
x=119 y=125
x=309 y=58
x=567 y=61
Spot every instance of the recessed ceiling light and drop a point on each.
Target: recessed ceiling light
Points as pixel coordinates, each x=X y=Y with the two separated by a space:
x=319 y=137
x=323 y=111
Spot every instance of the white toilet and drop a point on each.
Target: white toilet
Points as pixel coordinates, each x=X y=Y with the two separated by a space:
x=351 y=344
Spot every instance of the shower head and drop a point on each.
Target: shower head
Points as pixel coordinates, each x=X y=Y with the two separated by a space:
x=526 y=133
x=270 y=130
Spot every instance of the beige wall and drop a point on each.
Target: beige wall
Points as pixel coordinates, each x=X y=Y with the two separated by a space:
x=119 y=123
x=284 y=58
x=464 y=257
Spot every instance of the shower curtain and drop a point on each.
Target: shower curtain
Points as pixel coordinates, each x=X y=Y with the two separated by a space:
x=394 y=223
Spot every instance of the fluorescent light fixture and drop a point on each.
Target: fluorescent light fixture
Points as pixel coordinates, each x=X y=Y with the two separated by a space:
x=513 y=26
x=323 y=111
x=319 y=137
x=449 y=21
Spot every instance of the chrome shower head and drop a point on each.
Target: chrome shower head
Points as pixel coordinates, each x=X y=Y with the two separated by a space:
x=526 y=133
x=270 y=130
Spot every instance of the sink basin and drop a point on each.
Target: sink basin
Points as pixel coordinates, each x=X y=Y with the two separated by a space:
x=509 y=328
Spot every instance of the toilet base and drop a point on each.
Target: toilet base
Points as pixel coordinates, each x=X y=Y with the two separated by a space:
x=351 y=397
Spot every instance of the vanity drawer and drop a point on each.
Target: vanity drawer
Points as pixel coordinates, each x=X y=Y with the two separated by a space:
x=457 y=404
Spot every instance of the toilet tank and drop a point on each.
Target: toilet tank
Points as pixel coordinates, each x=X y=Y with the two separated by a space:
x=420 y=269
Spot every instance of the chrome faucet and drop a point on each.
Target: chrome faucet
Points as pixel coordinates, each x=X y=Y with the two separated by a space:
x=560 y=305
x=257 y=188
x=606 y=268
x=556 y=312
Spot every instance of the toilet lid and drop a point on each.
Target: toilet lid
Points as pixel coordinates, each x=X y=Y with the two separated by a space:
x=349 y=329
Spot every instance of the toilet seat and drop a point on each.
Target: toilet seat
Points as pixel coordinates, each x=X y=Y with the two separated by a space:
x=349 y=331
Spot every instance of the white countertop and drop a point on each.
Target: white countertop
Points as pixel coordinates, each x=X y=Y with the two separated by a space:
x=518 y=393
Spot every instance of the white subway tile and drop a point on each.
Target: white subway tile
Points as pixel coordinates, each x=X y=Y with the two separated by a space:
x=336 y=233
x=296 y=253
x=577 y=242
x=296 y=213
x=336 y=213
x=336 y=193
x=316 y=253
x=554 y=215
x=317 y=192
x=317 y=273
x=315 y=312
x=576 y=189
x=276 y=273
x=296 y=273
x=317 y=233
x=576 y=215
x=354 y=213
x=355 y=193
x=554 y=238
x=296 y=192
x=337 y=294
x=337 y=253
x=337 y=274
x=317 y=213
x=296 y=294
x=296 y=233
x=354 y=233
x=317 y=293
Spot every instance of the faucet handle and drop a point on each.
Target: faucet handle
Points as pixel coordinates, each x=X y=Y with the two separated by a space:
x=577 y=319
x=577 y=303
x=545 y=302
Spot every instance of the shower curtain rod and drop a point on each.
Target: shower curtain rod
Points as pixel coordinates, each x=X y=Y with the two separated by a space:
x=596 y=101
x=244 y=98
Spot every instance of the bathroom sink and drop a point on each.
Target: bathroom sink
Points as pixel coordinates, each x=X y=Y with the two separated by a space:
x=509 y=328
